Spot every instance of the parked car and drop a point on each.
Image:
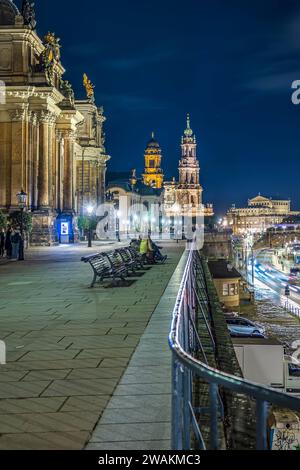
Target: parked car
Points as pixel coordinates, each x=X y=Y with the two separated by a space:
x=239 y=326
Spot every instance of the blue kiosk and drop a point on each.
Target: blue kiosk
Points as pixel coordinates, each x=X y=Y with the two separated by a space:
x=65 y=229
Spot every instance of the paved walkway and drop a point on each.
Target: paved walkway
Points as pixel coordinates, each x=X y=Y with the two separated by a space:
x=68 y=346
x=138 y=416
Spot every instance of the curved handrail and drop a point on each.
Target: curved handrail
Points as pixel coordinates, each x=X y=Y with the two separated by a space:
x=262 y=394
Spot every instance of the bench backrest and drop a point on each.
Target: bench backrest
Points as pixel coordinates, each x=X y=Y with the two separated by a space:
x=115 y=259
x=134 y=252
x=126 y=255
x=99 y=264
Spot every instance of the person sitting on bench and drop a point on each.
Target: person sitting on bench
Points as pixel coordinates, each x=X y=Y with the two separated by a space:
x=157 y=253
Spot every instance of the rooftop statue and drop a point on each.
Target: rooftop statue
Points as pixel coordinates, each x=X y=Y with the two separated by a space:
x=67 y=90
x=28 y=13
x=89 y=87
x=50 y=54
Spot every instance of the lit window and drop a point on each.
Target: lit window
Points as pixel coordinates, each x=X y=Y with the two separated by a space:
x=230 y=289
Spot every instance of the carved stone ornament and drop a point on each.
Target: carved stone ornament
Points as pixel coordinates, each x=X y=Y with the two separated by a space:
x=28 y=13
x=46 y=117
x=18 y=114
x=50 y=55
x=68 y=92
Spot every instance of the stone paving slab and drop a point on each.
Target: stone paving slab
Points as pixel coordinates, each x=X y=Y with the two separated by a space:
x=55 y=440
x=160 y=445
x=138 y=416
x=68 y=347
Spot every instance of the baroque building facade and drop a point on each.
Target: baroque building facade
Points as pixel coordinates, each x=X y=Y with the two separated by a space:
x=262 y=213
x=185 y=197
x=51 y=145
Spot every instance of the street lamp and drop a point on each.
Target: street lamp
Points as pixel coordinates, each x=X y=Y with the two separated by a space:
x=22 y=200
x=90 y=211
x=118 y=214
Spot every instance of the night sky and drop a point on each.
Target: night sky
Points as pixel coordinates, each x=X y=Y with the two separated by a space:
x=229 y=63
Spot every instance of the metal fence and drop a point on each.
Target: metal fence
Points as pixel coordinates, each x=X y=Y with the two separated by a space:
x=185 y=344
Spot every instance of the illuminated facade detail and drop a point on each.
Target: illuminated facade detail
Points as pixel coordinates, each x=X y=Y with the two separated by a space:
x=153 y=175
x=185 y=196
x=261 y=213
x=49 y=142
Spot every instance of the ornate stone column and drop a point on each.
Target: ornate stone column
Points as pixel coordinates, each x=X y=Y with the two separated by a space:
x=31 y=176
x=43 y=174
x=68 y=189
x=59 y=169
x=51 y=149
x=35 y=160
x=18 y=147
x=101 y=183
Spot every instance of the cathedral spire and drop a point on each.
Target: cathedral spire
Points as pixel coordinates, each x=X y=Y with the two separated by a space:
x=188 y=121
x=188 y=132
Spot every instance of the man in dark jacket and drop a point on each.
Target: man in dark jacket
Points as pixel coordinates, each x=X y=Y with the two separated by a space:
x=15 y=241
x=2 y=242
x=8 y=244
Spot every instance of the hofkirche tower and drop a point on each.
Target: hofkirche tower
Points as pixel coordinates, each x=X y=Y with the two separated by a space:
x=153 y=175
x=185 y=196
x=189 y=189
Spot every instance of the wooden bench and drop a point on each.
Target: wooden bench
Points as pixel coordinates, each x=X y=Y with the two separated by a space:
x=105 y=267
x=128 y=259
x=137 y=256
x=118 y=268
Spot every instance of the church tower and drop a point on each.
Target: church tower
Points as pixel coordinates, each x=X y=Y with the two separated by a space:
x=153 y=175
x=189 y=188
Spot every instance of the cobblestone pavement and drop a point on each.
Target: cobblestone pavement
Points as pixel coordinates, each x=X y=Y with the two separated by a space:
x=67 y=345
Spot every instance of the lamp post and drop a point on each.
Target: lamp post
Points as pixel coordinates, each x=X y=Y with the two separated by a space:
x=90 y=211
x=249 y=247
x=22 y=199
x=118 y=214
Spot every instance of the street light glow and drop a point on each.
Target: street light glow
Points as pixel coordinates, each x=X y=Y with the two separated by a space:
x=90 y=209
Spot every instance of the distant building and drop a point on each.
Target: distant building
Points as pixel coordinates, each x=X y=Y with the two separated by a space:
x=185 y=197
x=227 y=282
x=261 y=213
x=153 y=175
x=133 y=191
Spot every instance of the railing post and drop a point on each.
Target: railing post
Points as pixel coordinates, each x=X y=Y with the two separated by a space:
x=176 y=435
x=261 y=424
x=186 y=410
x=214 y=404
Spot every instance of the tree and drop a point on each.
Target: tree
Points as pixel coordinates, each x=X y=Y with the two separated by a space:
x=83 y=222
x=15 y=220
x=3 y=220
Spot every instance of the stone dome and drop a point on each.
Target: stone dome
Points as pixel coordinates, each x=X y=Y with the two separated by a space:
x=8 y=13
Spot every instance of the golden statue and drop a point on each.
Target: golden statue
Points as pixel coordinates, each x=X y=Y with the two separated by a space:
x=89 y=87
x=50 y=38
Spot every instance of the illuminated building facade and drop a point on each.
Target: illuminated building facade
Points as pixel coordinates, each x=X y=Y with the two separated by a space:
x=185 y=197
x=51 y=145
x=261 y=213
x=153 y=175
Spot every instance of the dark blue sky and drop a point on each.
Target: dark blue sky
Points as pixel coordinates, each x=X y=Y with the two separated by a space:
x=230 y=63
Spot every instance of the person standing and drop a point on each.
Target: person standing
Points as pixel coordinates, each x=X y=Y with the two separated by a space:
x=8 y=245
x=2 y=242
x=15 y=241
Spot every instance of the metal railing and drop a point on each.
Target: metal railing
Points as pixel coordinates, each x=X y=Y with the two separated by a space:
x=186 y=344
